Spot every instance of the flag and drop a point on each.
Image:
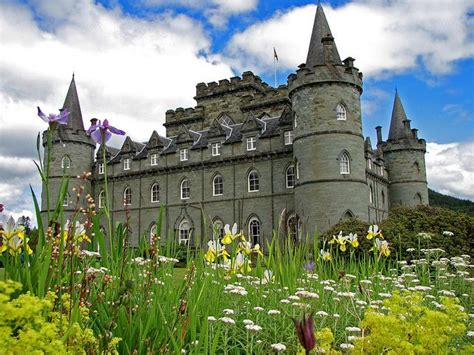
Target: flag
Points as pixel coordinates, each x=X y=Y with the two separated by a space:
x=275 y=56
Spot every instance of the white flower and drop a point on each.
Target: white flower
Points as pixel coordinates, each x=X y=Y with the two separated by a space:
x=353 y=329
x=211 y=319
x=90 y=253
x=278 y=347
x=285 y=301
x=228 y=311
x=164 y=259
x=227 y=320
x=258 y=309
x=253 y=327
x=448 y=233
x=293 y=298
x=322 y=314
x=273 y=312
x=247 y=322
x=267 y=276
x=306 y=294
x=346 y=346
x=470 y=334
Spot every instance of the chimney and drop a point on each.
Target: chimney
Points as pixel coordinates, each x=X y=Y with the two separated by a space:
x=379 y=134
x=93 y=121
x=415 y=133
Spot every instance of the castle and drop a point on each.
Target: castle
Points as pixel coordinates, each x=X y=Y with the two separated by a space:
x=291 y=158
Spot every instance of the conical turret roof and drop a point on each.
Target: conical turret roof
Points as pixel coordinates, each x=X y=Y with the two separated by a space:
x=72 y=105
x=320 y=53
x=397 y=127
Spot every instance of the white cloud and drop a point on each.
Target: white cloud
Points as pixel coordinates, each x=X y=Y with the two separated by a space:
x=450 y=169
x=384 y=36
x=129 y=70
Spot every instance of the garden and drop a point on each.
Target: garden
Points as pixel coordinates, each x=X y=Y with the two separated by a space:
x=404 y=287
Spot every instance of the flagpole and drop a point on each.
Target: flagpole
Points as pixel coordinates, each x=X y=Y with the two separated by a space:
x=275 y=59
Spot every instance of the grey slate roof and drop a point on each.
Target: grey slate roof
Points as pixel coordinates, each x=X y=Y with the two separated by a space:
x=321 y=32
x=72 y=104
x=397 y=127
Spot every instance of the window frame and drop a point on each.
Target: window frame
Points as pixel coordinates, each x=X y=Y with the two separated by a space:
x=344 y=163
x=126 y=164
x=287 y=175
x=66 y=199
x=154 y=159
x=214 y=184
x=341 y=112
x=251 y=144
x=181 y=229
x=252 y=238
x=101 y=169
x=255 y=181
x=183 y=154
x=215 y=149
x=68 y=162
x=101 y=201
x=153 y=192
x=290 y=135
x=127 y=197
x=187 y=188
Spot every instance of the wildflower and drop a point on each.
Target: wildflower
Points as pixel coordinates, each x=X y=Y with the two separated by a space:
x=230 y=235
x=227 y=320
x=228 y=311
x=99 y=130
x=353 y=329
x=410 y=250
x=253 y=327
x=306 y=294
x=470 y=334
x=309 y=266
x=215 y=250
x=1 y=207
x=340 y=240
x=258 y=309
x=423 y=235
x=325 y=255
x=61 y=118
x=352 y=238
x=273 y=312
x=278 y=347
x=13 y=238
x=374 y=232
x=382 y=247
x=267 y=276
x=305 y=332
x=247 y=322
x=321 y=314
x=211 y=319
x=448 y=233
x=165 y=260
x=284 y=302
x=78 y=232
x=346 y=346
x=90 y=253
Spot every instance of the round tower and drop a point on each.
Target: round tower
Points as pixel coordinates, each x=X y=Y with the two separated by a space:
x=404 y=155
x=72 y=154
x=328 y=145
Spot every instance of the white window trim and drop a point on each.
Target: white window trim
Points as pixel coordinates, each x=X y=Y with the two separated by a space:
x=215 y=149
x=101 y=197
x=185 y=240
x=251 y=144
x=183 y=154
x=294 y=177
x=214 y=186
x=154 y=159
x=151 y=193
x=288 y=137
x=101 y=168
x=341 y=112
x=126 y=164
x=342 y=164
x=125 y=196
x=66 y=200
x=248 y=181
x=66 y=159
x=251 y=237
x=181 y=190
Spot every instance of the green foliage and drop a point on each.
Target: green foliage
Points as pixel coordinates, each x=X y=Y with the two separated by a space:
x=439 y=200
x=404 y=224
x=409 y=326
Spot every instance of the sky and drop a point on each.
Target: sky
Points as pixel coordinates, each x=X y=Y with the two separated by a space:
x=133 y=60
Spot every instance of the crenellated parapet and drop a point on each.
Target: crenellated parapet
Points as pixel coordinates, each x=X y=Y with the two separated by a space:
x=184 y=116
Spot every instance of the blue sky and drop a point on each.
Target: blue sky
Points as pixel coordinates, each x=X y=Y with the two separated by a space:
x=135 y=59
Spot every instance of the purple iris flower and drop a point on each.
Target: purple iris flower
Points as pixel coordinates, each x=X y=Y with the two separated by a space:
x=1 y=207
x=62 y=118
x=96 y=131
x=309 y=266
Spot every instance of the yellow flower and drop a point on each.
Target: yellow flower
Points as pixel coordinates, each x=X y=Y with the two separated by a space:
x=325 y=255
x=340 y=240
x=374 y=232
x=230 y=235
x=215 y=250
x=13 y=238
x=352 y=238
x=382 y=247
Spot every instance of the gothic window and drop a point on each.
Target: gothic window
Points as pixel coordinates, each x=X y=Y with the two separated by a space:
x=102 y=199
x=217 y=185
x=127 y=196
x=154 y=159
x=344 y=163
x=101 y=168
x=341 y=112
x=183 y=232
x=185 y=190
x=183 y=155
x=292 y=228
x=155 y=193
x=251 y=143
x=65 y=162
x=253 y=181
x=152 y=232
x=126 y=164
x=66 y=200
x=288 y=137
x=254 y=230
x=347 y=215
x=371 y=194
x=216 y=149
x=290 y=177
x=218 y=229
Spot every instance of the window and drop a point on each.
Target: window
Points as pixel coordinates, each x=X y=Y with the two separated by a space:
x=102 y=199
x=251 y=143
x=344 y=163
x=288 y=137
x=292 y=228
x=155 y=193
x=383 y=198
x=225 y=120
x=183 y=232
x=341 y=112
x=369 y=163
x=185 y=191
x=126 y=164
x=296 y=120
x=183 y=155
x=101 y=168
x=290 y=177
x=218 y=229
x=127 y=196
x=152 y=233
x=218 y=185
x=65 y=162
x=154 y=159
x=253 y=181
x=297 y=170
x=254 y=231
x=371 y=195
x=66 y=200
x=216 y=149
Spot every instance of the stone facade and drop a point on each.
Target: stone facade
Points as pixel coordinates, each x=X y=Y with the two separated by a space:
x=291 y=158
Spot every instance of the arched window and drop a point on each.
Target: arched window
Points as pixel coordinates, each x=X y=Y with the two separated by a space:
x=155 y=193
x=127 y=196
x=347 y=215
x=292 y=228
x=102 y=199
x=254 y=230
x=383 y=198
x=344 y=163
x=152 y=232
x=253 y=181
x=418 y=199
x=371 y=195
x=218 y=229
x=65 y=162
x=66 y=200
x=185 y=191
x=290 y=177
x=183 y=232
x=217 y=185
x=341 y=112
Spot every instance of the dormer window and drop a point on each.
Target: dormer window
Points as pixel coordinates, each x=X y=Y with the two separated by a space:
x=251 y=143
x=288 y=137
x=216 y=149
x=126 y=164
x=154 y=159
x=183 y=155
x=101 y=168
x=341 y=112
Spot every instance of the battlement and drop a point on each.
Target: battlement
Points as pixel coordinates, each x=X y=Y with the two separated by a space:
x=180 y=114
x=248 y=81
